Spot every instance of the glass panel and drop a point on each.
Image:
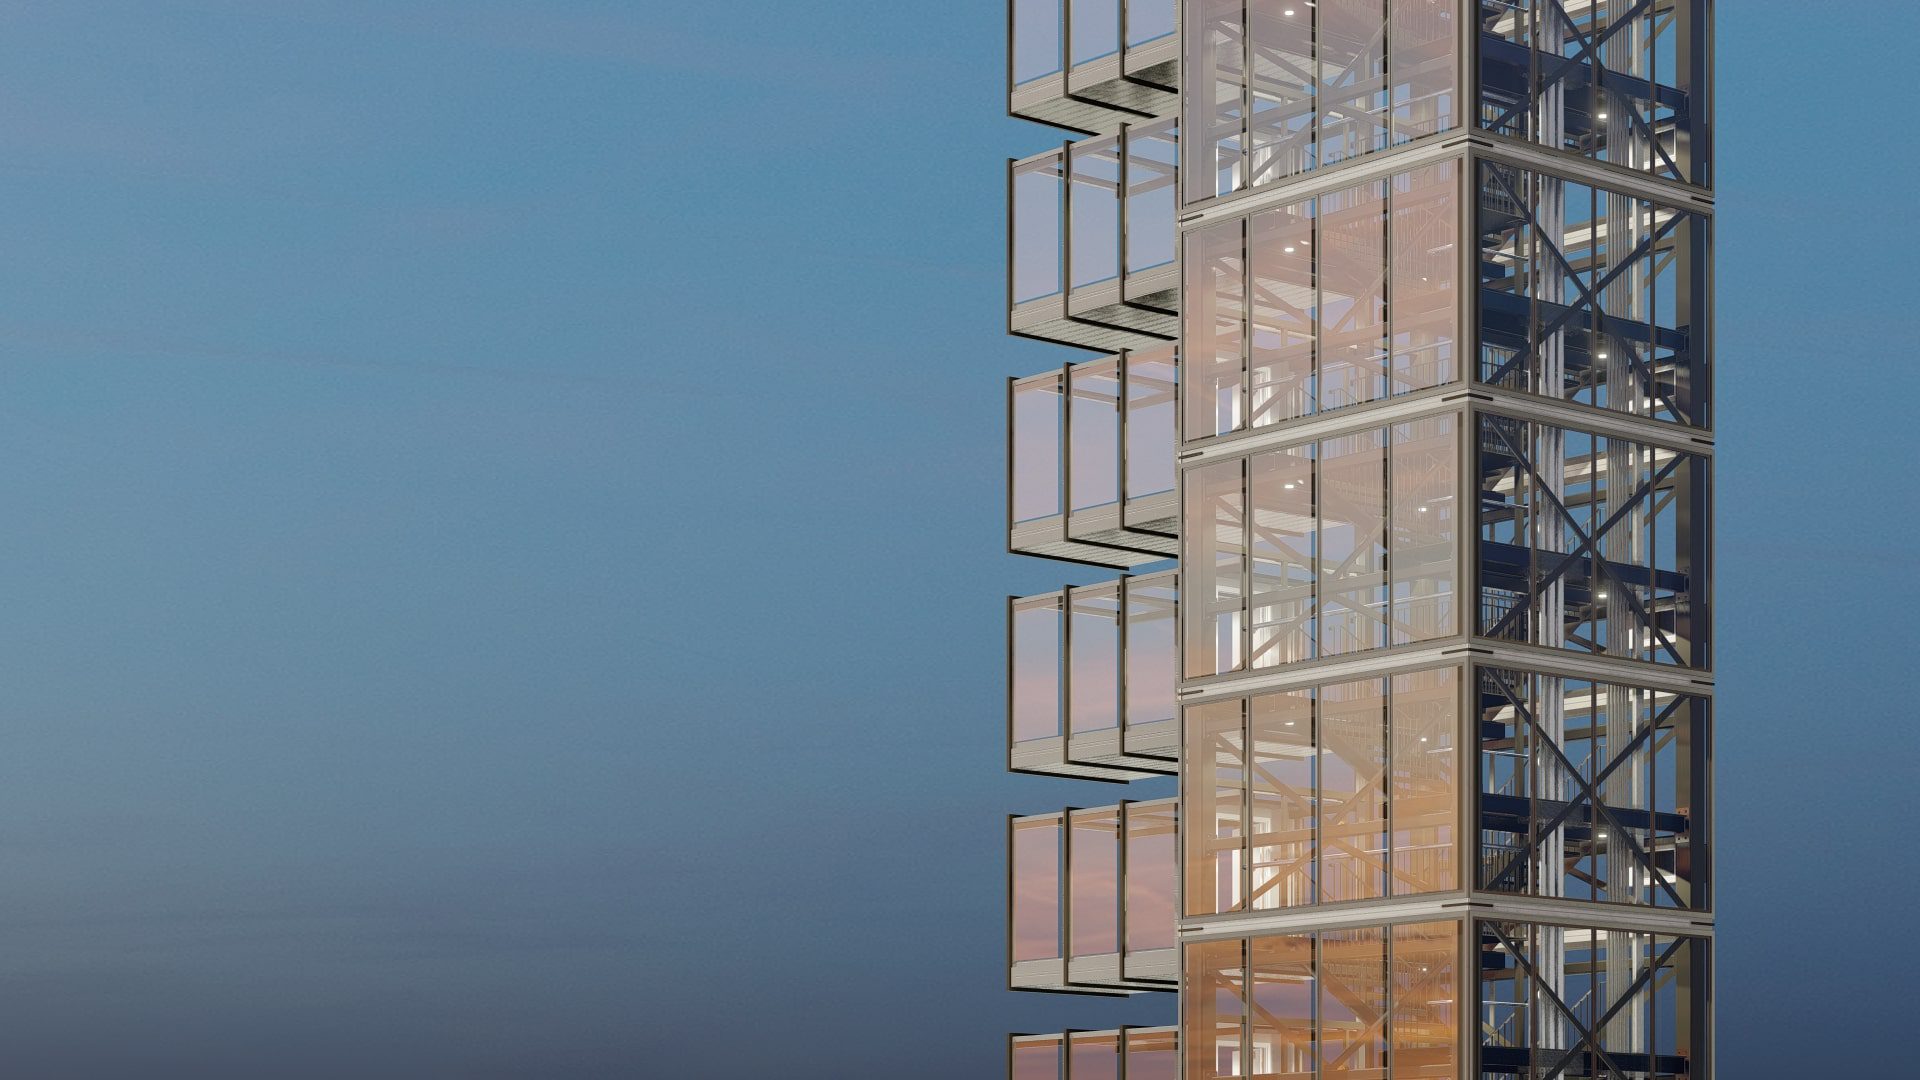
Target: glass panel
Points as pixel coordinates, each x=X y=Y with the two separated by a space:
x=1280 y=1022
x=1093 y=458
x=1352 y=91
x=1425 y=797
x=1353 y=808
x=1283 y=90
x=1284 y=804
x=1211 y=1021
x=1425 y=545
x=1151 y=422
x=1425 y=307
x=1426 y=993
x=1037 y=239
x=1281 y=352
x=1036 y=1059
x=1036 y=888
x=1213 y=74
x=1036 y=448
x=1423 y=63
x=1153 y=154
x=1093 y=1056
x=1352 y=543
x=1214 y=313
x=1036 y=39
x=1152 y=1055
x=1353 y=300
x=1150 y=876
x=1213 y=791
x=1093 y=883
x=1213 y=561
x=1282 y=553
x=1094 y=228
x=1037 y=646
x=1093 y=660
x=1096 y=29
x=1353 y=1004
x=1151 y=651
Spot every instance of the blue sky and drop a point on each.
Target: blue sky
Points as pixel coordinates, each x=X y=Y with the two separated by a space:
x=502 y=571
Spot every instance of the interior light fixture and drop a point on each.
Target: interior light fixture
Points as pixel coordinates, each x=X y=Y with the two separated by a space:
x=1288 y=13
x=1288 y=249
x=1603 y=116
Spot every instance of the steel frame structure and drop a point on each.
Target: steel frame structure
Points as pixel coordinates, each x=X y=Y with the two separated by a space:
x=1557 y=531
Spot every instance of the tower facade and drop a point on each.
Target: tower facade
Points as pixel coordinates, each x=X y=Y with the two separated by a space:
x=1394 y=396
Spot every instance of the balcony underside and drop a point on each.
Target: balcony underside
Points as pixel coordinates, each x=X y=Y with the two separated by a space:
x=1144 y=971
x=1138 y=312
x=1097 y=96
x=1105 y=536
x=1142 y=750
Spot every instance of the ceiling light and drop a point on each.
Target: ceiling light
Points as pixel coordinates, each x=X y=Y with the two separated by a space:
x=1288 y=13
x=1423 y=509
x=1600 y=355
x=1602 y=594
x=1603 y=116
x=1289 y=249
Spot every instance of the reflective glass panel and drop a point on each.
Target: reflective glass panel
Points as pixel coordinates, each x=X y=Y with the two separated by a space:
x=1037 y=235
x=1094 y=228
x=1093 y=885
x=1093 y=659
x=1037 y=644
x=1151 y=422
x=1093 y=421
x=1150 y=876
x=1036 y=448
x=1036 y=888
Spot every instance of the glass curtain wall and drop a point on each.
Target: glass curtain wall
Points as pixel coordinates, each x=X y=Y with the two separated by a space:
x=1092 y=897
x=1274 y=89
x=1094 y=211
x=1592 y=296
x=1324 y=549
x=1090 y=433
x=1143 y=1054
x=1345 y=791
x=1372 y=1002
x=1619 y=81
x=1353 y=298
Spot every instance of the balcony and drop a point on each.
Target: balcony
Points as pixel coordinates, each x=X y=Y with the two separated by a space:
x=1142 y=1053
x=1091 y=894
x=1090 y=65
x=1091 y=674
x=1091 y=476
x=1091 y=241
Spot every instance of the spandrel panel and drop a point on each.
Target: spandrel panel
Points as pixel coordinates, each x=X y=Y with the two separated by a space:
x=1037 y=408
x=1036 y=889
x=1037 y=641
x=1353 y=766
x=1213 y=795
x=1284 y=782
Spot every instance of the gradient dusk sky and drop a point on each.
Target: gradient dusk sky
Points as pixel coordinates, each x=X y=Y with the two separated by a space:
x=502 y=569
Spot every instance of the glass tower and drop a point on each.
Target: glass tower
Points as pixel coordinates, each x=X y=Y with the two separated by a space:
x=1393 y=400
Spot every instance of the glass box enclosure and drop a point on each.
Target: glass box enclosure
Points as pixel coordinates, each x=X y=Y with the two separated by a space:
x=1370 y=1003
x=1091 y=239
x=1336 y=546
x=1591 y=296
x=1091 y=897
x=1354 y=298
x=1275 y=89
x=1091 y=461
x=1611 y=80
x=1346 y=791
x=1091 y=673
x=1143 y=1053
x=1087 y=65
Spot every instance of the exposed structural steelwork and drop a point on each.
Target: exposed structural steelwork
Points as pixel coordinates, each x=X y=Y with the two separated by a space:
x=1403 y=430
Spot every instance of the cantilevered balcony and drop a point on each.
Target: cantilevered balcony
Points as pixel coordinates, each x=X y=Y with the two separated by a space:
x=1091 y=241
x=1091 y=894
x=1141 y=1053
x=1091 y=473
x=1091 y=674
x=1091 y=65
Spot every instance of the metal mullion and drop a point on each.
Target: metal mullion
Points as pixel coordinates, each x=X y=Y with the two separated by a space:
x=1122 y=616
x=1065 y=896
x=1245 y=631
x=1066 y=675
x=1066 y=222
x=1121 y=837
x=1123 y=179
x=1245 y=178
x=1246 y=327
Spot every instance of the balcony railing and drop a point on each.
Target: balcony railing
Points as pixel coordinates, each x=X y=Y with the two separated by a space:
x=1091 y=674
x=1091 y=476
x=1091 y=895
x=1090 y=65
x=1091 y=241
x=1141 y=1053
